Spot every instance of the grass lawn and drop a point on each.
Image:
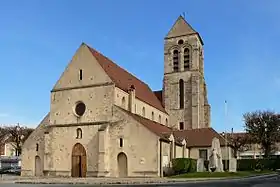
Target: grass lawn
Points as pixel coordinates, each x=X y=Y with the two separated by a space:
x=222 y=174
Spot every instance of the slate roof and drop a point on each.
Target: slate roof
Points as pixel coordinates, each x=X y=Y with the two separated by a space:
x=159 y=96
x=124 y=80
x=181 y=28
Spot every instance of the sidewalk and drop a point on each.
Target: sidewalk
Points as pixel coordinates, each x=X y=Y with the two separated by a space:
x=110 y=181
x=95 y=181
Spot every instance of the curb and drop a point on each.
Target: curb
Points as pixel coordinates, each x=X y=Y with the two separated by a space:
x=116 y=182
x=176 y=181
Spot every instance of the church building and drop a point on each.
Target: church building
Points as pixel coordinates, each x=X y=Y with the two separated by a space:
x=105 y=122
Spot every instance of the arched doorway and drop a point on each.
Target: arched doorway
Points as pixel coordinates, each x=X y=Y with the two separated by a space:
x=38 y=166
x=79 y=161
x=122 y=165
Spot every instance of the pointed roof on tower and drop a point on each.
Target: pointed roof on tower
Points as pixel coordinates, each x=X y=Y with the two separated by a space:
x=181 y=28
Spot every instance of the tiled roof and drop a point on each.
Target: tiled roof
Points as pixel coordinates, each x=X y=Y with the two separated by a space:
x=235 y=134
x=160 y=130
x=200 y=137
x=157 y=128
x=194 y=137
x=124 y=80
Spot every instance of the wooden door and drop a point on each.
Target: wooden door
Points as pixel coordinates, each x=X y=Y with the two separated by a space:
x=79 y=164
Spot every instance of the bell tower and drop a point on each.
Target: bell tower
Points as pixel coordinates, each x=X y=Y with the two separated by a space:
x=184 y=89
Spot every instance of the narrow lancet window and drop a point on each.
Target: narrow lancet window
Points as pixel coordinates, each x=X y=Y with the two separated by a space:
x=186 y=59
x=81 y=74
x=176 y=60
x=181 y=93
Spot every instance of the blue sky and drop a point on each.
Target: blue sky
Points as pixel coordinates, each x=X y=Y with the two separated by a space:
x=39 y=38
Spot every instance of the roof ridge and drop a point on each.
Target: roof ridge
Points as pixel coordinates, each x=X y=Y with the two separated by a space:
x=137 y=115
x=107 y=58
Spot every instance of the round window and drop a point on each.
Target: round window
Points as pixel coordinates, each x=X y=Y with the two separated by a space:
x=80 y=108
x=180 y=42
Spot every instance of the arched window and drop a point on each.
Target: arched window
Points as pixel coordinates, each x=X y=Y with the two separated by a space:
x=37 y=147
x=143 y=111
x=166 y=121
x=81 y=74
x=123 y=102
x=186 y=59
x=153 y=116
x=181 y=93
x=79 y=133
x=159 y=118
x=175 y=60
x=121 y=142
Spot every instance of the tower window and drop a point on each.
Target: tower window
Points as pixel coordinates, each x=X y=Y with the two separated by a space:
x=37 y=147
x=186 y=59
x=166 y=121
x=81 y=74
x=176 y=60
x=180 y=42
x=181 y=126
x=153 y=116
x=121 y=142
x=181 y=93
x=159 y=118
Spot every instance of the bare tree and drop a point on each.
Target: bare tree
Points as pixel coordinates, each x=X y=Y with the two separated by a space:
x=3 y=137
x=17 y=135
x=263 y=128
x=238 y=142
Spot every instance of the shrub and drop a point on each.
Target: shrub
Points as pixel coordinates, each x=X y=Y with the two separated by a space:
x=258 y=164
x=193 y=165
x=246 y=164
x=183 y=165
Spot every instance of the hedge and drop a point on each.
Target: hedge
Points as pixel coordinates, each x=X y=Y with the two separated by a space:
x=187 y=165
x=258 y=164
x=183 y=165
x=251 y=164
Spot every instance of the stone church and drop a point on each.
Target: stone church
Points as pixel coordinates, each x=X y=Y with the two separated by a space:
x=105 y=122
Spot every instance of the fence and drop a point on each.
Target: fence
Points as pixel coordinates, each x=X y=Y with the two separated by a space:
x=6 y=161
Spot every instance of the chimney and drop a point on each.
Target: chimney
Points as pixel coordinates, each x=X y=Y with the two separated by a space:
x=131 y=104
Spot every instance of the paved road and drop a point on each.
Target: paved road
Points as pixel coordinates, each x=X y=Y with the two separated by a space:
x=252 y=182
